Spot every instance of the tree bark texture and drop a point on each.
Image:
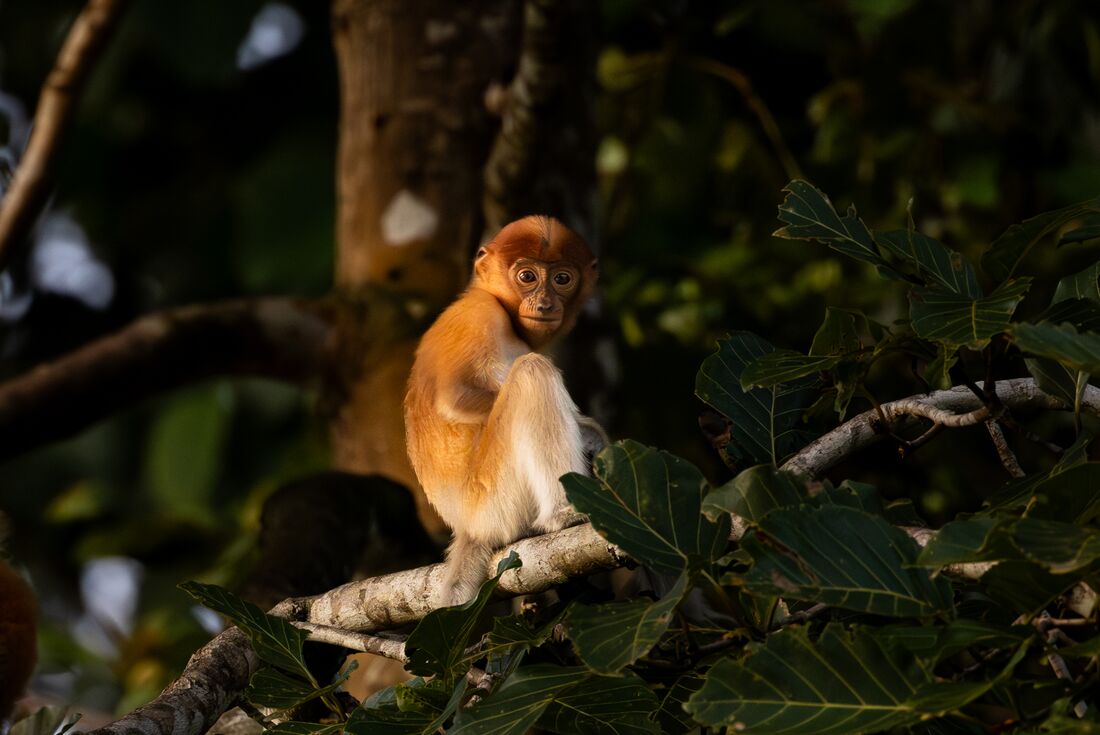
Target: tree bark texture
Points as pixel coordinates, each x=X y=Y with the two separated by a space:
x=414 y=137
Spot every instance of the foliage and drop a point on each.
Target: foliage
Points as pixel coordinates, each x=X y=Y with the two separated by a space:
x=824 y=615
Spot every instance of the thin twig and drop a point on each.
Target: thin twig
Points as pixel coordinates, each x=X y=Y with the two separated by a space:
x=802 y=616
x=1008 y=459
x=57 y=104
x=743 y=84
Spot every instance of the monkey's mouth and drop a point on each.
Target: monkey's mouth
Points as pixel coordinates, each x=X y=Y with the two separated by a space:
x=543 y=319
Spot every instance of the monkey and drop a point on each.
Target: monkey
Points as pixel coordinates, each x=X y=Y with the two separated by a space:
x=18 y=650
x=490 y=427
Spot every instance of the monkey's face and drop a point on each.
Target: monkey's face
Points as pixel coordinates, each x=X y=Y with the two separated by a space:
x=543 y=291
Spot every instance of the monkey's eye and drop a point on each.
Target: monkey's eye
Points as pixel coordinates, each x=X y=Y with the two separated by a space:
x=527 y=276
x=563 y=279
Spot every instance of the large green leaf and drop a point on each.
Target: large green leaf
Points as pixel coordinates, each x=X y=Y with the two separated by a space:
x=1006 y=252
x=437 y=646
x=648 y=502
x=809 y=215
x=1059 y=547
x=1017 y=494
x=1056 y=380
x=563 y=700
x=1061 y=342
x=620 y=705
x=783 y=366
x=1081 y=313
x=844 y=558
x=838 y=333
x=304 y=728
x=612 y=636
x=933 y=260
x=1072 y=495
x=1081 y=285
x=763 y=421
x=755 y=492
x=933 y=643
x=671 y=715
x=942 y=316
x=845 y=682
x=275 y=640
x=1025 y=587
x=967 y=541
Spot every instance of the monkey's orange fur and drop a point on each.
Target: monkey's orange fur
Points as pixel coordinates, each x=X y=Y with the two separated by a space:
x=489 y=424
x=18 y=651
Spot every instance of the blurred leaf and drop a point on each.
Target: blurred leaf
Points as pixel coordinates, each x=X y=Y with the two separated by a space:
x=612 y=636
x=648 y=502
x=389 y=722
x=933 y=260
x=518 y=704
x=1006 y=252
x=1085 y=649
x=275 y=640
x=763 y=421
x=845 y=682
x=809 y=215
x=844 y=558
x=46 y=721
x=185 y=451
x=754 y=493
x=1077 y=351
x=945 y=317
x=1081 y=285
x=437 y=646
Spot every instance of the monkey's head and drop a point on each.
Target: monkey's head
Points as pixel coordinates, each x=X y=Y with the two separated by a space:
x=542 y=272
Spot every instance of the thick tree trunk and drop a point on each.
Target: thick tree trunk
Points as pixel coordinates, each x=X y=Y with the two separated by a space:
x=414 y=136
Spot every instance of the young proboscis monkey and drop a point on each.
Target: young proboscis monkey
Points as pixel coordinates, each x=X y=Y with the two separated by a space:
x=489 y=424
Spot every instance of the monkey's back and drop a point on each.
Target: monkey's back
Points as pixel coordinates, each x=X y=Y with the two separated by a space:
x=472 y=342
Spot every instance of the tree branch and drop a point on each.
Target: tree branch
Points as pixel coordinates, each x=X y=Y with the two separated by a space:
x=57 y=103
x=956 y=407
x=274 y=337
x=219 y=672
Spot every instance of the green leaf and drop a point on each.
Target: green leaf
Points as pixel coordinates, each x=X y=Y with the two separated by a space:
x=932 y=644
x=425 y=707
x=671 y=716
x=754 y=493
x=1077 y=351
x=271 y=687
x=1084 y=649
x=809 y=215
x=649 y=503
x=783 y=366
x=1006 y=252
x=1056 y=380
x=1082 y=285
x=941 y=316
x=1059 y=547
x=515 y=633
x=437 y=646
x=388 y=722
x=933 y=260
x=1072 y=495
x=275 y=640
x=966 y=541
x=1017 y=494
x=304 y=728
x=763 y=421
x=612 y=636
x=1081 y=313
x=49 y=720
x=1025 y=587
x=844 y=558
x=845 y=682
x=519 y=702
x=619 y=705
x=839 y=333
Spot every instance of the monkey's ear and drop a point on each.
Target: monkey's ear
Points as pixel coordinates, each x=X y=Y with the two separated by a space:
x=479 y=261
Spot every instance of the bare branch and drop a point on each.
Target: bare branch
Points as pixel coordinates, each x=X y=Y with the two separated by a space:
x=952 y=408
x=1008 y=459
x=57 y=103
x=276 y=337
x=362 y=642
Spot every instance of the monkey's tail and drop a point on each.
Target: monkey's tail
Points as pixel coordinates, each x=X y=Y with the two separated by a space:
x=467 y=566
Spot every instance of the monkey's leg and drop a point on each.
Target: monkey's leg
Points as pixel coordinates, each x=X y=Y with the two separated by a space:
x=535 y=430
